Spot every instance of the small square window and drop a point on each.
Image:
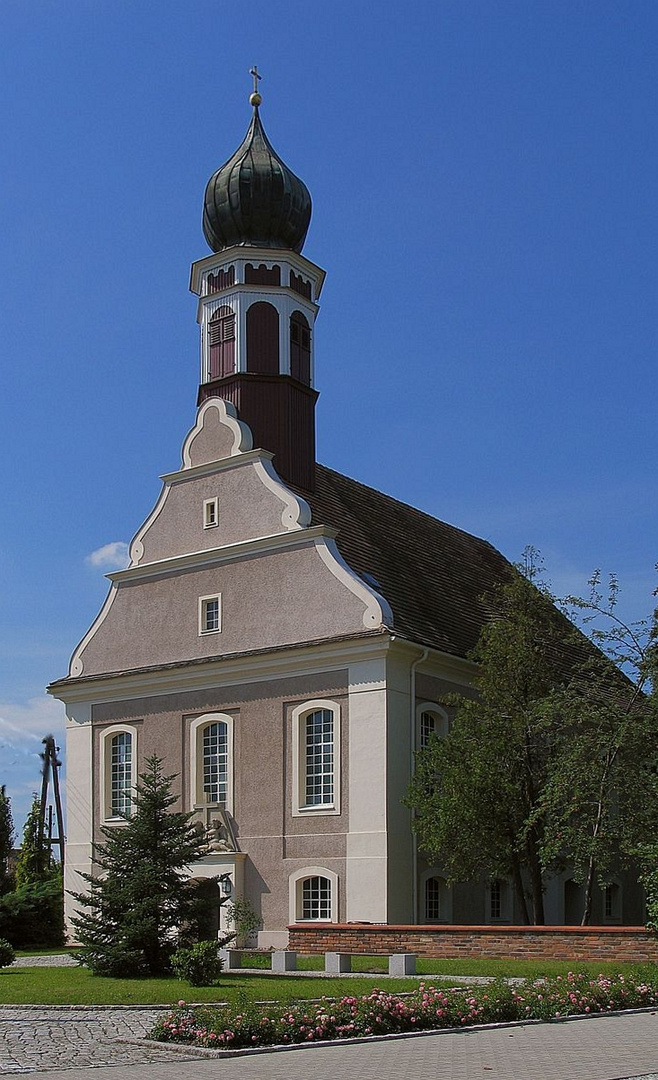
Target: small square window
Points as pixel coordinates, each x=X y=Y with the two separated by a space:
x=210 y=615
x=210 y=519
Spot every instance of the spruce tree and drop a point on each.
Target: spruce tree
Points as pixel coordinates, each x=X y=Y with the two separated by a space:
x=140 y=907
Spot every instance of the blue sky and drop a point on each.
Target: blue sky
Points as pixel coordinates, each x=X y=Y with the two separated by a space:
x=484 y=182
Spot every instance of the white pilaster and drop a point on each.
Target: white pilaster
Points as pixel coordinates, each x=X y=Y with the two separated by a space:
x=366 y=876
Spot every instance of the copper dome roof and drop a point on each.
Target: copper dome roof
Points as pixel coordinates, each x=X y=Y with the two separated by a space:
x=255 y=199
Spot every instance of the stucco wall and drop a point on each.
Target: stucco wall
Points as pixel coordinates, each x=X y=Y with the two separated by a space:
x=268 y=599
x=275 y=842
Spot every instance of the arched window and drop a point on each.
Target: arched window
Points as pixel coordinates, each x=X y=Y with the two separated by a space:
x=319 y=747
x=300 y=348
x=221 y=343
x=314 y=895
x=118 y=771
x=215 y=763
x=431 y=720
x=263 y=339
x=316 y=758
x=121 y=750
x=316 y=898
x=437 y=900
x=211 y=761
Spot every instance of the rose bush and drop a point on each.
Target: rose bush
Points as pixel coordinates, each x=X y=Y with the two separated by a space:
x=426 y=1009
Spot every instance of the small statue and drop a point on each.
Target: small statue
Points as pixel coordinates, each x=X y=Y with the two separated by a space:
x=217 y=837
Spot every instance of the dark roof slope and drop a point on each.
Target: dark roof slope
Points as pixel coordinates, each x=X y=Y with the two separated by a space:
x=433 y=575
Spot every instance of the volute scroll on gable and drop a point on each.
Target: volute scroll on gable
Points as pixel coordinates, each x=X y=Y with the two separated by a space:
x=218 y=466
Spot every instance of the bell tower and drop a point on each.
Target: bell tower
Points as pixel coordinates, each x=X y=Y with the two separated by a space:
x=258 y=301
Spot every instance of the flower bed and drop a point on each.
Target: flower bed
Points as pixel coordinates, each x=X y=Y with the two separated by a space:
x=426 y=1009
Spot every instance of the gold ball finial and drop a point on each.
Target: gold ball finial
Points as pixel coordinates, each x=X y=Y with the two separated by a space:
x=255 y=99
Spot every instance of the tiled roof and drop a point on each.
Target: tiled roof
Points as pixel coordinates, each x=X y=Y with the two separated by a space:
x=433 y=575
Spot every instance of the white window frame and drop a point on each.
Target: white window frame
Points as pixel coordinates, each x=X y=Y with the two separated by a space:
x=445 y=898
x=299 y=806
x=203 y=606
x=106 y=769
x=296 y=883
x=198 y=798
x=211 y=508
x=442 y=726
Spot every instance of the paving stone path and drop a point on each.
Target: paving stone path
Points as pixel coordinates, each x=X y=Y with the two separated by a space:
x=32 y=1040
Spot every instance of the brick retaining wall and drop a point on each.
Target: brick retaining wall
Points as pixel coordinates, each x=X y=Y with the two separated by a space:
x=632 y=944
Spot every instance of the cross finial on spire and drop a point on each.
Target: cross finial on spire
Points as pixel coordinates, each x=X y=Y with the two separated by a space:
x=255 y=98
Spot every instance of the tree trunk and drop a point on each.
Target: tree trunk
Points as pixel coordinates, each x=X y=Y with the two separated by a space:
x=519 y=890
x=589 y=884
x=536 y=881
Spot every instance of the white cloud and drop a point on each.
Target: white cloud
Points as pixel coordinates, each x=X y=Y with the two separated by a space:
x=23 y=726
x=114 y=556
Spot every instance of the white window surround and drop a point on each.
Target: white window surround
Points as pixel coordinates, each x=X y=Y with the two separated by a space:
x=106 y=769
x=445 y=897
x=205 y=603
x=299 y=714
x=441 y=726
x=296 y=883
x=210 y=513
x=197 y=727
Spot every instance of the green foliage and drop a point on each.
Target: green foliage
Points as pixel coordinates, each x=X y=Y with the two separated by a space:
x=34 y=863
x=428 y=1008
x=7 y=954
x=241 y=915
x=556 y=761
x=33 y=915
x=6 y=841
x=200 y=965
x=141 y=907
x=601 y=803
x=475 y=794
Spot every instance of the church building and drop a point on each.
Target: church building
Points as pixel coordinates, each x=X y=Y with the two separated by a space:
x=283 y=635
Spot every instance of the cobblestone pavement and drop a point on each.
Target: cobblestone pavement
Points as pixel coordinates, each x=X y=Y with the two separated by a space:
x=32 y=1040
x=48 y=1041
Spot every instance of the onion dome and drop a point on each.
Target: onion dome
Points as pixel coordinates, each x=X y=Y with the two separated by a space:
x=255 y=199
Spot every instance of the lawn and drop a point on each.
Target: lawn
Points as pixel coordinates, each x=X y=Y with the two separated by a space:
x=77 y=986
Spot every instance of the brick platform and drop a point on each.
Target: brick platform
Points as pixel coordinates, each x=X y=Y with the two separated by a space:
x=626 y=944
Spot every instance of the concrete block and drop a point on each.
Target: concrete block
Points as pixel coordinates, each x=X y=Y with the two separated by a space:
x=336 y=963
x=402 y=964
x=284 y=960
x=232 y=958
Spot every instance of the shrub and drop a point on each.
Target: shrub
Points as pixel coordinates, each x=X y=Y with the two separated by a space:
x=199 y=965
x=33 y=915
x=241 y=915
x=7 y=954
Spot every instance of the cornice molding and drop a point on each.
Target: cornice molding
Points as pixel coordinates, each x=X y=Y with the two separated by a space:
x=226 y=553
x=306 y=658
